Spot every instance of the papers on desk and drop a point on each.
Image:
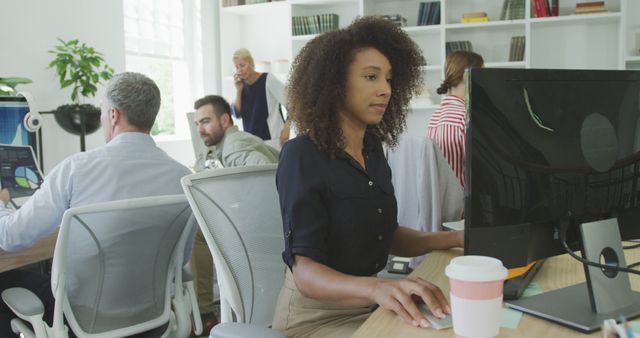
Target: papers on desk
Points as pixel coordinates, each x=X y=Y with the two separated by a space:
x=455 y=226
x=510 y=318
x=532 y=289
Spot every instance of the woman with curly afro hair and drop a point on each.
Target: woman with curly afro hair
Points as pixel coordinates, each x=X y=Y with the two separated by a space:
x=349 y=92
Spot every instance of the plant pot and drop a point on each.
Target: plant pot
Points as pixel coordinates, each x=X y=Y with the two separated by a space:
x=70 y=116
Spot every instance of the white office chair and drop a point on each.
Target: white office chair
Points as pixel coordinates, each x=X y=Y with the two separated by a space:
x=427 y=190
x=117 y=271
x=238 y=212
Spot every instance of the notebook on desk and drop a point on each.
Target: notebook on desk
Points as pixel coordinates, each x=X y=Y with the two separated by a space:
x=19 y=173
x=514 y=287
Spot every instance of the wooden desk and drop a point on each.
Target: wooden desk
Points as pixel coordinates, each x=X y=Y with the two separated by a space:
x=41 y=250
x=557 y=272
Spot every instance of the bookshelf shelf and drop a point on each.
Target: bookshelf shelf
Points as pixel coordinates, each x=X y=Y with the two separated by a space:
x=303 y=37
x=322 y=2
x=264 y=8
x=506 y=64
x=423 y=29
x=490 y=24
x=633 y=59
x=599 y=17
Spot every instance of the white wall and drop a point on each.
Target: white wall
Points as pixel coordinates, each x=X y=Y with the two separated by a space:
x=30 y=29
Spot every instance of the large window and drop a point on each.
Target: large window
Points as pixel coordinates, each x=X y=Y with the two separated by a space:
x=162 y=41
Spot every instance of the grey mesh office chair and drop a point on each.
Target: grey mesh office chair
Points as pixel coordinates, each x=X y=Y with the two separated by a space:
x=238 y=212
x=117 y=271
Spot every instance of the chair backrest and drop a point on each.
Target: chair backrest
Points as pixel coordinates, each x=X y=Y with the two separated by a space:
x=115 y=264
x=238 y=212
x=427 y=191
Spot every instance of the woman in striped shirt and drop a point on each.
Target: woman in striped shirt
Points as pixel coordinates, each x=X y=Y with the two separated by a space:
x=447 y=124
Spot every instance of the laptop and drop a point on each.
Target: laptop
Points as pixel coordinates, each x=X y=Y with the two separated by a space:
x=19 y=173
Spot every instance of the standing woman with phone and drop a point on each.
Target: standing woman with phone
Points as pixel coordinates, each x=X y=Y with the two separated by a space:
x=258 y=100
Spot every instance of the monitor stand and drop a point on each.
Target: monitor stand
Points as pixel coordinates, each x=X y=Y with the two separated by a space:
x=606 y=294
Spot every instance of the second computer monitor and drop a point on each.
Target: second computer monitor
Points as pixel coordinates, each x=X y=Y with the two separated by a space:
x=546 y=150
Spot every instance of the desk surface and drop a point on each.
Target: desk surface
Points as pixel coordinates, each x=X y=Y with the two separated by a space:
x=41 y=250
x=557 y=272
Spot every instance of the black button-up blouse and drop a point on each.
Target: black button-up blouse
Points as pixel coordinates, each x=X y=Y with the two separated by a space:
x=333 y=210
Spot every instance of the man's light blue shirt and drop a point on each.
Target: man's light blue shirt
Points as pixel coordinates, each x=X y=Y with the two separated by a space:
x=129 y=166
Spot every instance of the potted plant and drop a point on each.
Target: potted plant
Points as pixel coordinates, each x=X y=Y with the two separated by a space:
x=82 y=68
x=8 y=85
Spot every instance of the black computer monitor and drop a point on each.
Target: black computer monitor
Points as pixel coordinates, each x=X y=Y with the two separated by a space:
x=12 y=131
x=548 y=153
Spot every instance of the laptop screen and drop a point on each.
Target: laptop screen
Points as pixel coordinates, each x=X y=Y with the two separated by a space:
x=12 y=131
x=19 y=172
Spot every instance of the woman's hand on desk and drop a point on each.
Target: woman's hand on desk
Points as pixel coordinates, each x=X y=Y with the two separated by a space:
x=400 y=296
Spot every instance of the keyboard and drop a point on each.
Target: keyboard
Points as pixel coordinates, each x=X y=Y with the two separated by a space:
x=514 y=287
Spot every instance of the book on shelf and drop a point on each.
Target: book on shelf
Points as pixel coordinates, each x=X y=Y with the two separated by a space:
x=540 y=8
x=471 y=20
x=429 y=13
x=513 y=10
x=516 y=51
x=555 y=7
x=452 y=46
x=397 y=19
x=228 y=3
x=590 y=4
x=314 y=24
x=544 y=8
x=590 y=7
x=474 y=17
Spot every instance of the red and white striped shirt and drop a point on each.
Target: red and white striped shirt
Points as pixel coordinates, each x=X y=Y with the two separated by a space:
x=446 y=128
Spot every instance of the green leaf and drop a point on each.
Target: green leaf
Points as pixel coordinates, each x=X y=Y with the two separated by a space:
x=66 y=83
x=13 y=81
x=105 y=75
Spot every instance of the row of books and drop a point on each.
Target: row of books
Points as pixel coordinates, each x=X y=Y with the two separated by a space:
x=397 y=19
x=452 y=46
x=429 y=13
x=544 y=8
x=516 y=51
x=314 y=24
x=228 y=3
x=512 y=10
x=590 y=7
x=474 y=17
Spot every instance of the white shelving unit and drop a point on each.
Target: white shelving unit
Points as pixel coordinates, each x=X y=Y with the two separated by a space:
x=608 y=40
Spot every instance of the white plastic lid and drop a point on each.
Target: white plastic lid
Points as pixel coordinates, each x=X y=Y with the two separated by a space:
x=476 y=269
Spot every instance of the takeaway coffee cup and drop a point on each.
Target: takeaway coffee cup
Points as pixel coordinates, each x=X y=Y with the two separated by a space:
x=476 y=295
